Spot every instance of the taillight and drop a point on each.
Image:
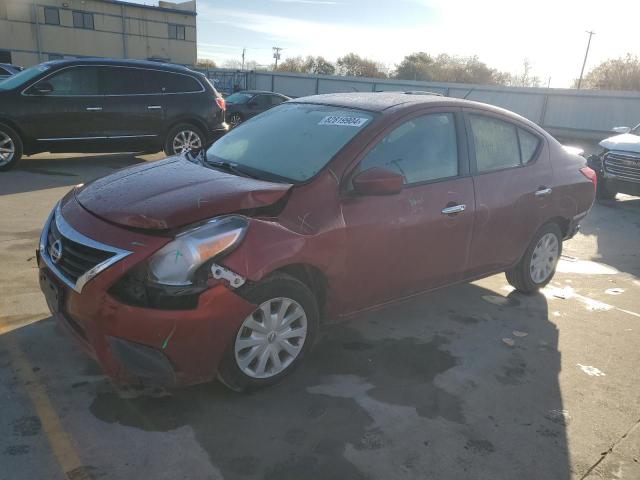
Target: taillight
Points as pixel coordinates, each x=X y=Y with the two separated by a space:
x=221 y=103
x=591 y=175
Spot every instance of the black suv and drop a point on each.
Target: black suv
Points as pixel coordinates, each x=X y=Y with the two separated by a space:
x=104 y=105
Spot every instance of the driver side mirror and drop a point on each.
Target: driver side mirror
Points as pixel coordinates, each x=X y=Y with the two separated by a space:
x=42 y=88
x=621 y=129
x=378 y=181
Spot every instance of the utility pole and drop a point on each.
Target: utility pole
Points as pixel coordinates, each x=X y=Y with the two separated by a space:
x=276 y=55
x=243 y=52
x=591 y=33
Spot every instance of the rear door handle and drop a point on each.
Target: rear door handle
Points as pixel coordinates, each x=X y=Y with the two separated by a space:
x=543 y=192
x=94 y=109
x=154 y=107
x=454 y=209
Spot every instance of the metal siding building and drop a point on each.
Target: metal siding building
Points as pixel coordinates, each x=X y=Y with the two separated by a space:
x=34 y=31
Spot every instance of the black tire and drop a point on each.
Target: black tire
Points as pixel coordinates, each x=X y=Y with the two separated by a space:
x=520 y=276
x=7 y=134
x=604 y=191
x=175 y=131
x=273 y=287
x=235 y=119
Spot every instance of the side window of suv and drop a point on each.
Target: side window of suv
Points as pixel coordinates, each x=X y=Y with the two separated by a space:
x=500 y=144
x=422 y=149
x=75 y=81
x=129 y=81
x=177 y=83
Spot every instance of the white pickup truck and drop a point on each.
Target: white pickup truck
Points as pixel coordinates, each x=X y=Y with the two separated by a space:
x=618 y=165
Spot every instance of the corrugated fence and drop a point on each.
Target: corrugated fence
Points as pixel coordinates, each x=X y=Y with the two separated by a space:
x=585 y=114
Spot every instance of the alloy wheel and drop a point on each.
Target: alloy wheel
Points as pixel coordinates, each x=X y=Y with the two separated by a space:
x=235 y=120
x=544 y=258
x=7 y=149
x=185 y=141
x=271 y=338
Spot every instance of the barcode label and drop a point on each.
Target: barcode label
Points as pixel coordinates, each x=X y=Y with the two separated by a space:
x=343 y=121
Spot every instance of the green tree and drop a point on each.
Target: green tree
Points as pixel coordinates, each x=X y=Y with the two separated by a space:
x=354 y=65
x=614 y=74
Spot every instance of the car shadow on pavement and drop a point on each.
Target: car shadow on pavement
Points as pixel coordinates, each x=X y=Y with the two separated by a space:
x=51 y=171
x=460 y=383
x=605 y=221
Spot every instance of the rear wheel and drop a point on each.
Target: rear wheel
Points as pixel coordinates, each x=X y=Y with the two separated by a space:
x=182 y=139
x=235 y=119
x=10 y=148
x=272 y=340
x=538 y=265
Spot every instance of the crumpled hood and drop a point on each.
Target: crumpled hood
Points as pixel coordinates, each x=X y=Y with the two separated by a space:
x=627 y=142
x=172 y=193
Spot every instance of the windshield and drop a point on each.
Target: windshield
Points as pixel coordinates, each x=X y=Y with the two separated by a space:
x=291 y=141
x=23 y=77
x=239 y=97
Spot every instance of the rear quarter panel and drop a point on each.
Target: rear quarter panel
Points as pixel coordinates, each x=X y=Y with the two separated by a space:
x=573 y=192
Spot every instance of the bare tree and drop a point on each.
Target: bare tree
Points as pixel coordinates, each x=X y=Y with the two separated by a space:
x=614 y=74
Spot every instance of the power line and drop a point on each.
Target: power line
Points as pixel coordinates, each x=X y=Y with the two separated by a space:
x=591 y=33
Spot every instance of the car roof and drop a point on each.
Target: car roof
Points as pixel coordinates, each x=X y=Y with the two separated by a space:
x=120 y=63
x=381 y=101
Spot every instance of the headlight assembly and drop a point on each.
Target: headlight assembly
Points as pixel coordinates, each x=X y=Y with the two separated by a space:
x=177 y=262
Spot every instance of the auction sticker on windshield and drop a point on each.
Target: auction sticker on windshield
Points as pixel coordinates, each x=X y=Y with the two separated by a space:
x=343 y=121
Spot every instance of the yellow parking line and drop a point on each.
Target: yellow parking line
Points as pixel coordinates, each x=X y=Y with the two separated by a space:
x=60 y=441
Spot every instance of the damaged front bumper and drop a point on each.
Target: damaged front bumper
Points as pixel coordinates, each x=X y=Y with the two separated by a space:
x=136 y=344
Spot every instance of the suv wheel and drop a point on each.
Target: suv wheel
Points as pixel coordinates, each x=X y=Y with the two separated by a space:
x=273 y=340
x=10 y=148
x=538 y=265
x=235 y=119
x=182 y=139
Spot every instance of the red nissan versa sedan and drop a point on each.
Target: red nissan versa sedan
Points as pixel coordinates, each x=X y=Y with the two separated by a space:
x=223 y=262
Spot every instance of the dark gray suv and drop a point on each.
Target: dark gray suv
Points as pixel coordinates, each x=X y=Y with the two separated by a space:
x=104 y=105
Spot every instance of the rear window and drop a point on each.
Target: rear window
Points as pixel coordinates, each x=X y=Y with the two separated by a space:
x=291 y=141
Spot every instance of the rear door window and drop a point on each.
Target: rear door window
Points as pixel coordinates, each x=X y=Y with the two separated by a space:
x=496 y=143
x=421 y=150
x=276 y=100
x=129 y=81
x=262 y=101
x=177 y=83
x=75 y=81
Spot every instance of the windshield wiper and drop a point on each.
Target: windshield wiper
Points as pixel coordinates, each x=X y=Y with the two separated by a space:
x=229 y=167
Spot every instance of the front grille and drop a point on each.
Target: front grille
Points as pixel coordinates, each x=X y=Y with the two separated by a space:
x=625 y=166
x=76 y=258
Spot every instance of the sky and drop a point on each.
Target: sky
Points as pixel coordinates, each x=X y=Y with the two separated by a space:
x=551 y=34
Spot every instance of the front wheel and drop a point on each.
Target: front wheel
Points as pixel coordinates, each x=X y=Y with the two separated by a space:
x=182 y=139
x=10 y=148
x=273 y=340
x=538 y=265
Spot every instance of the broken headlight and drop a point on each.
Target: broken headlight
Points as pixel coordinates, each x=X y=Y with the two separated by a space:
x=177 y=262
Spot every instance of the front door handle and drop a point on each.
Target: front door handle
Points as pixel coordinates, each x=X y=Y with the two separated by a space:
x=154 y=107
x=454 y=209
x=94 y=109
x=543 y=192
